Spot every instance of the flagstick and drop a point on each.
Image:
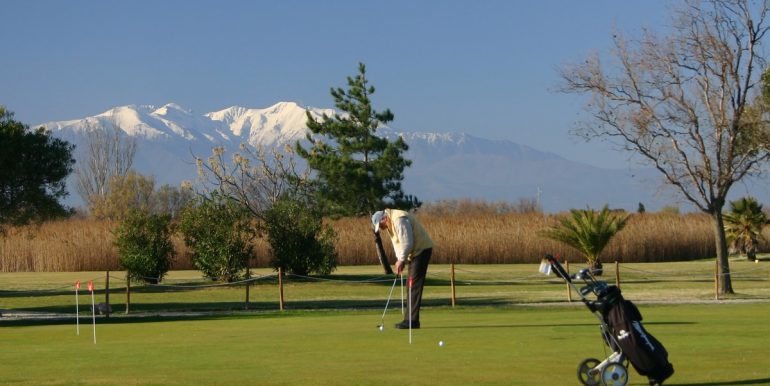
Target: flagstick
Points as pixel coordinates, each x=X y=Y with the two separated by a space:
x=77 y=308
x=402 y=295
x=93 y=310
x=410 y=310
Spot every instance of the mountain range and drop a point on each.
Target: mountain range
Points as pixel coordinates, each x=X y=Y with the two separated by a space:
x=445 y=165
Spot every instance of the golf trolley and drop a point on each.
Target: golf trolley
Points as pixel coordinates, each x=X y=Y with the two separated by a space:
x=621 y=328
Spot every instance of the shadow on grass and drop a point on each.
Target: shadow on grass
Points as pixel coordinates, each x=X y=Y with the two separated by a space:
x=543 y=325
x=143 y=318
x=758 y=381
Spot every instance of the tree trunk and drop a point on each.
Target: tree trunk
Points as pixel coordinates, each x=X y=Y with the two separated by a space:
x=725 y=283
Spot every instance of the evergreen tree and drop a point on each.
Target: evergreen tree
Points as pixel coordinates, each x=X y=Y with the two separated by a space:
x=357 y=172
x=33 y=171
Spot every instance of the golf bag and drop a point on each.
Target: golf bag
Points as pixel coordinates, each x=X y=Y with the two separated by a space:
x=622 y=330
x=646 y=354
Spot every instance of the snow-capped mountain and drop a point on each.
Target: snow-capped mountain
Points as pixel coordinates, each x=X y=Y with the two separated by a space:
x=444 y=165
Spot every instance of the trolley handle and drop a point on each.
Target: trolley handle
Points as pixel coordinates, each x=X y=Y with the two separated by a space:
x=557 y=267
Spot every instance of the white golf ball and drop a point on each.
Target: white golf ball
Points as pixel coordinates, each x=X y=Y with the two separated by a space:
x=381 y=327
x=441 y=343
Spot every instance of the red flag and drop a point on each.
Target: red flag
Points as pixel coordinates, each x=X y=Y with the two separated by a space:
x=409 y=282
x=77 y=284
x=91 y=286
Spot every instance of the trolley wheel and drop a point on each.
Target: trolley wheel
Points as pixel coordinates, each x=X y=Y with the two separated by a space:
x=586 y=376
x=615 y=374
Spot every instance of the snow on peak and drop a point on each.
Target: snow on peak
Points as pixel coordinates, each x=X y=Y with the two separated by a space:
x=170 y=108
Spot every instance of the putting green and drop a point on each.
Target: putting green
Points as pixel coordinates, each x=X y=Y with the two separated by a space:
x=708 y=344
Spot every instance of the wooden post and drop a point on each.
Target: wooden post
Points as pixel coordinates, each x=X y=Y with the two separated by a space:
x=617 y=273
x=716 y=280
x=107 y=295
x=248 y=284
x=280 y=288
x=569 y=290
x=452 y=283
x=128 y=292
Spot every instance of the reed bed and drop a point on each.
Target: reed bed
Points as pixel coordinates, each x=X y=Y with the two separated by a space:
x=476 y=238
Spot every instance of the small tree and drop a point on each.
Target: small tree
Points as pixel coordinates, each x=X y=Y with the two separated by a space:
x=743 y=226
x=269 y=186
x=587 y=231
x=144 y=245
x=33 y=171
x=300 y=242
x=219 y=233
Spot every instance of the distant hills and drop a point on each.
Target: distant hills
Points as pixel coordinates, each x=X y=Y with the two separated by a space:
x=445 y=165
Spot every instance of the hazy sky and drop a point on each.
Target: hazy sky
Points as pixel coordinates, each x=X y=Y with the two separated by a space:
x=487 y=68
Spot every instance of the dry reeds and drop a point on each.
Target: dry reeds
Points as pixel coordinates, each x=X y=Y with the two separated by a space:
x=475 y=238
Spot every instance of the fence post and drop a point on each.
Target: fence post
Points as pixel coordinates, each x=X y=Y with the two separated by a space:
x=280 y=288
x=569 y=290
x=716 y=279
x=248 y=284
x=107 y=295
x=617 y=273
x=452 y=283
x=128 y=292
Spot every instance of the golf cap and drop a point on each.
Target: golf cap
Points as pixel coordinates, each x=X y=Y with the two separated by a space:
x=376 y=218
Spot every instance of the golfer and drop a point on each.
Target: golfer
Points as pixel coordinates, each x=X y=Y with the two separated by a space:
x=413 y=246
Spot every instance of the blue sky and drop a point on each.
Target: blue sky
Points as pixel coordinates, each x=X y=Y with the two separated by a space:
x=485 y=67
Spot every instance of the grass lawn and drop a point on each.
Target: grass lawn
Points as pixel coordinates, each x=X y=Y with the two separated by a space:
x=511 y=327
x=709 y=344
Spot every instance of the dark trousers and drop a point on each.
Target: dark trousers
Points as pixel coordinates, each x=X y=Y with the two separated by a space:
x=418 y=269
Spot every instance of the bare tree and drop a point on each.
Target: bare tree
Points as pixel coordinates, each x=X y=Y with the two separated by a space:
x=255 y=177
x=109 y=153
x=686 y=103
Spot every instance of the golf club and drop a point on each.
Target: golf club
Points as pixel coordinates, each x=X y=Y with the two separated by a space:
x=382 y=320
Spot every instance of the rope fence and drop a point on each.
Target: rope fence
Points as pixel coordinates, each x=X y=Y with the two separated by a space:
x=451 y=275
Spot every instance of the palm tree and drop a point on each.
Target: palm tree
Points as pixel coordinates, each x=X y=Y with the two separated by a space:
x=588 y=231
x=743 y=226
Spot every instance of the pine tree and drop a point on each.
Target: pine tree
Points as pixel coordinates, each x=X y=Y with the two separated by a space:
x=33 y=171
x=357 y=172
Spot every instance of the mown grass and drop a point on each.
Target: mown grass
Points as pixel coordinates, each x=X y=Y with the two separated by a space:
x=709 y=344
x=512 y=326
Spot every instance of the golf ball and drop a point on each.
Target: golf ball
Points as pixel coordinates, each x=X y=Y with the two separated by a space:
x=380 y=328
x=441 y=343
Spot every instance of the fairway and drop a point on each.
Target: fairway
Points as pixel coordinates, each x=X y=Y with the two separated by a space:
x=712 y=344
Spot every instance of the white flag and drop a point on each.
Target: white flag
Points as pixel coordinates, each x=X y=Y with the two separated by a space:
x=545 y=267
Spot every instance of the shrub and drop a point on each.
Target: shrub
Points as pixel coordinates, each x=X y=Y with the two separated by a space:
x=218 y=233
x=144 y=245
x=588 y=231
x=300 y=242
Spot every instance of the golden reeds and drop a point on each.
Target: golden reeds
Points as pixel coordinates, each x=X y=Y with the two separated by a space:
x=480 y=238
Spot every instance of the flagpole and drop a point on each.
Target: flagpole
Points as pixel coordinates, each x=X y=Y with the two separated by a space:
x=77 y=307
x=409 y=301
x=402 y=295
